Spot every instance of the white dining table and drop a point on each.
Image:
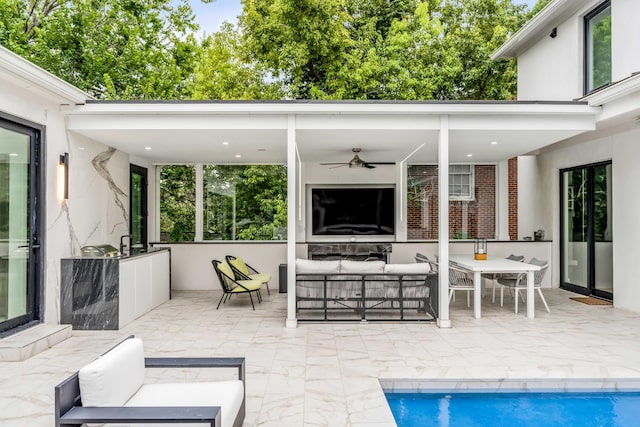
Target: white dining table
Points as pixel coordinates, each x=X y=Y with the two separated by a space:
x=496 y=265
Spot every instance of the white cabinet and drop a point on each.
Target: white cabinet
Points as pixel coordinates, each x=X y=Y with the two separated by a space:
x=144 y=284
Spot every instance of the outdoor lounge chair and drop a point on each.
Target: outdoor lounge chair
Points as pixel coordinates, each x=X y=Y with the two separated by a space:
x=519 y=282
x=112 y=390
x=243 y=271
x=232 y=286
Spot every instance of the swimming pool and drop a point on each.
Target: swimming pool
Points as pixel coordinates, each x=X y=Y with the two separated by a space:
x=561 y=409
x=547 y=402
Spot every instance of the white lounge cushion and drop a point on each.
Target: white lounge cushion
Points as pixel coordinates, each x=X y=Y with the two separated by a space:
x=308 y=266
x=412 y=268
x=113 y=378
x=361 y=267
x=226 y=394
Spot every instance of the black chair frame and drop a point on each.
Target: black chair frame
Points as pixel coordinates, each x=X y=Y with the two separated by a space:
x=240 y=275
x=227 y=291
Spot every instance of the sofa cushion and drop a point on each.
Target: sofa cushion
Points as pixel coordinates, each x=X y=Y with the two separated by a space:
x=226 y=394
x=308 y=266
x=361 y=267
x=114 y=377
x=412 y=268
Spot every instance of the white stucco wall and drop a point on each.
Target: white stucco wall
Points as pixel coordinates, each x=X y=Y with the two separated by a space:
x=625 y=33
x=528 y=206
x=553 y=68
x=624 y=150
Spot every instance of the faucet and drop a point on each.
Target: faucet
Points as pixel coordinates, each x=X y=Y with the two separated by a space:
x=122 y=243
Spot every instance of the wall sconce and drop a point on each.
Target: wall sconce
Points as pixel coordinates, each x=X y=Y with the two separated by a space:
x=554 y=33
x=63 y=177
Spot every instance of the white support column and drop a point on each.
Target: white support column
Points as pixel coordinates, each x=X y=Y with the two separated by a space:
x=443 y=223
x=199 y=203
x=292 y=209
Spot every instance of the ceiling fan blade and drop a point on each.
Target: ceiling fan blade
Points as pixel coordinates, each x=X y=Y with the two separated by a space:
x=368 y=166
x=330 y=164
x=340 y=165
x=381 y=163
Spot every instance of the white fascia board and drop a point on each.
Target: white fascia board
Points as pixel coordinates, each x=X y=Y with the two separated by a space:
x=178 y=108
x=614 y=92
x=552 y=15
x=35 y=77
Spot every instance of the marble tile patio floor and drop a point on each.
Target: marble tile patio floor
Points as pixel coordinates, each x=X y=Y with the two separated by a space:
x=326 y=374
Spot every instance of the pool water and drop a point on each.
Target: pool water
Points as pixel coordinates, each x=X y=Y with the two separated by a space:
x=522 y=409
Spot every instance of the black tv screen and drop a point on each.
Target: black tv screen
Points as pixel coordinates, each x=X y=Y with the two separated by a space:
x=353 y=211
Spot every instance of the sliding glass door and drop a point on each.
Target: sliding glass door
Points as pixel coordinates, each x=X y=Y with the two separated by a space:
x=586 y=246
x=19 y=239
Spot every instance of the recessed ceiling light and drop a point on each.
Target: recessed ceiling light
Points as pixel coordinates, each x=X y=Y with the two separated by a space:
x=13 y=155
x=469 y=155
x=262 y=149
x=147 y=148
x=80 y=148
x=238 y=156
x=225 y=142
x=494 y=142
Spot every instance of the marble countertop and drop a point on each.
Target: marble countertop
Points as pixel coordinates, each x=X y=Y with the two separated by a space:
x=134 y=254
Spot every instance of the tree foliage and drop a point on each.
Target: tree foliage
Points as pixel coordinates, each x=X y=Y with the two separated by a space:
x=118 y=49
x=384 y=49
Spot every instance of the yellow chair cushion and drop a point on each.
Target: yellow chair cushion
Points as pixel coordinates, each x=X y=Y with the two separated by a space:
x=250 y=285
x=261 y=277
x=240 y=265
x=227 y=274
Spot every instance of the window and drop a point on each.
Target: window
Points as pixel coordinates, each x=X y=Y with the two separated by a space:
x=598 y=47
x=245 y=202
x=239 y=202
x=472 y=204
x=461 y=182
x=177 y=203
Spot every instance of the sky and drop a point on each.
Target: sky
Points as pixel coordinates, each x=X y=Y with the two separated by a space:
x=211 y=15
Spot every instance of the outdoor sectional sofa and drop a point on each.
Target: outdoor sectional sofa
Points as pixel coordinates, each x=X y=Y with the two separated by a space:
x=365 y=290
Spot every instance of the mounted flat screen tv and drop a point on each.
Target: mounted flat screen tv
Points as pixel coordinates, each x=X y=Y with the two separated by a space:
x=353 y=211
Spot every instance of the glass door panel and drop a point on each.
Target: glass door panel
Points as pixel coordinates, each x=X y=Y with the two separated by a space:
x=586 y=245
x=603 y=259
x=138 y=208
x=14 y=225
x=575 y=230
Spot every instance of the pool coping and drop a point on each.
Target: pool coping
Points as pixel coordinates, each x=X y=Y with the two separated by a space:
x=508 y=385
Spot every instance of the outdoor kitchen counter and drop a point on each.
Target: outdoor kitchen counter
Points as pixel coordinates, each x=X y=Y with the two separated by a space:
x=106 y=293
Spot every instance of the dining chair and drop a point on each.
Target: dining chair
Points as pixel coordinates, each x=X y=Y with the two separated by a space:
x=519 y=282
x=459 y=280
x=494 y=276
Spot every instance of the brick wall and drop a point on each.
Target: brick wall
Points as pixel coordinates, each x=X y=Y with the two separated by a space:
x=513 y=198
x=467 y=219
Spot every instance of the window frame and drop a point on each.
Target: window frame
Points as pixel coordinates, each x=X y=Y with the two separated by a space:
x=471 y=196
x=587 y=42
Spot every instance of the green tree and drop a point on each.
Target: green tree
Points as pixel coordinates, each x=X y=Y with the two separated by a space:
x=177 y=203
x=114 y=49
x=224 y=71
x=384 y=49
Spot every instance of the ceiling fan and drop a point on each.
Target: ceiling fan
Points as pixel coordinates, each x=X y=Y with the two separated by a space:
x=357 y=162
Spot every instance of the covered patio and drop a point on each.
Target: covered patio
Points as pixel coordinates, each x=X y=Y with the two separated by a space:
x=303 y=135
x=328 y=374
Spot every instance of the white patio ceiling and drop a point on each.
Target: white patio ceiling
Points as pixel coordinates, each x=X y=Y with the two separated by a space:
x=194 y=132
